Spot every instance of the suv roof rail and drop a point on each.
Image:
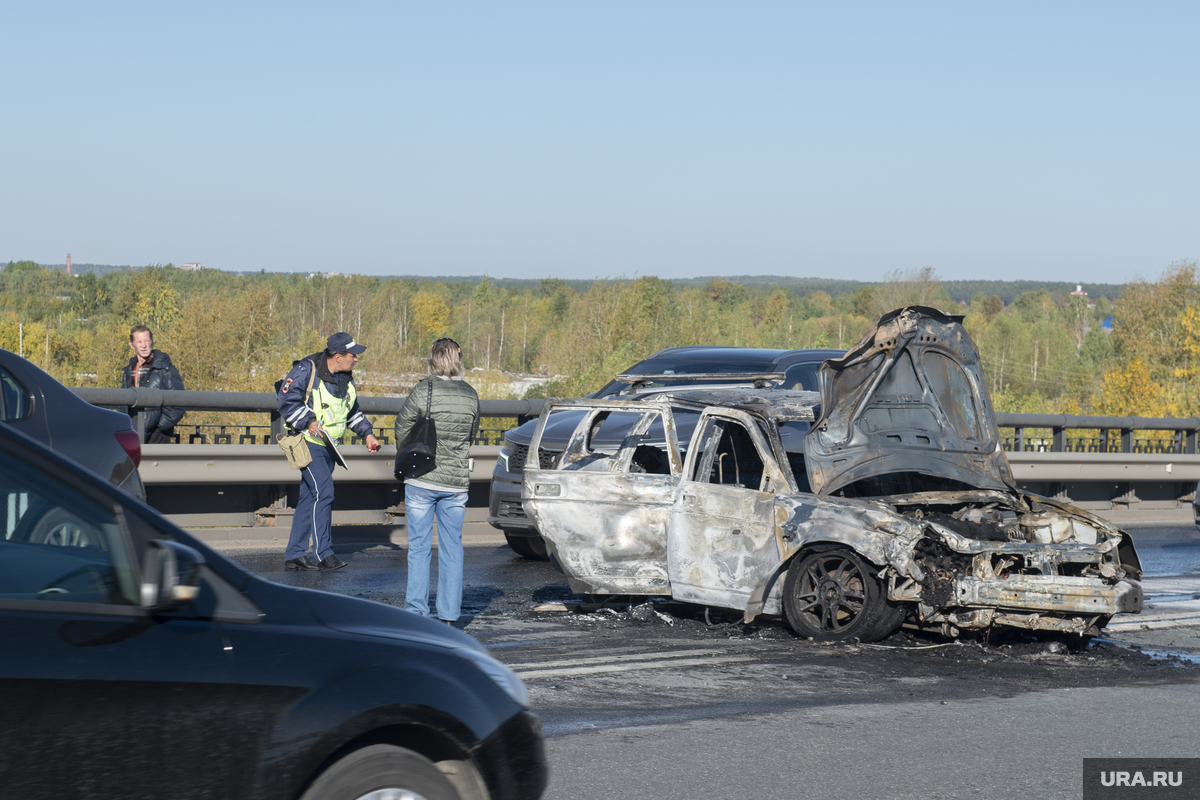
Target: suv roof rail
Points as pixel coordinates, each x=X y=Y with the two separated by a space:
x=759 y=379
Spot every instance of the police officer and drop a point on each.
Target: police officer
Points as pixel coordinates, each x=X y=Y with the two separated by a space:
x=332 y=406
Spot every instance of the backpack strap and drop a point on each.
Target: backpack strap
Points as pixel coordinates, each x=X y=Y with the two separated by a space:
x=311 y=376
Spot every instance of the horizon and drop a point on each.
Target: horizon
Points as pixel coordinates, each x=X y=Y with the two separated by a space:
x=785 y=281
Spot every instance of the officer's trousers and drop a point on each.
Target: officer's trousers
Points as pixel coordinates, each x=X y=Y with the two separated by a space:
x=314 y=510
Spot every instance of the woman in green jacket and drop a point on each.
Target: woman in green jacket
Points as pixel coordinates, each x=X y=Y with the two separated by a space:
x=454 y=409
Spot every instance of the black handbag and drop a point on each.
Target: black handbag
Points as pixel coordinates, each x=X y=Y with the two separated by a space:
x=414 y=456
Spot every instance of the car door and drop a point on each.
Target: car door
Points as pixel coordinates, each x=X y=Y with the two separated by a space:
x=603 y=506
x=721 y=533
x=101 y=697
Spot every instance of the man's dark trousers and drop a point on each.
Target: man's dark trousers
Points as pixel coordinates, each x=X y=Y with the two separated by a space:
x=314 y=510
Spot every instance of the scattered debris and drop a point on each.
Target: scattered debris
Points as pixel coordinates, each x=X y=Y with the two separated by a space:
x=540 y=607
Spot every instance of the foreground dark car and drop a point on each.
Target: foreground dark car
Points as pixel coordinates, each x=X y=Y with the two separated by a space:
x=138 y=663
x=885 y=498
x=667 y=368
x=41 y=407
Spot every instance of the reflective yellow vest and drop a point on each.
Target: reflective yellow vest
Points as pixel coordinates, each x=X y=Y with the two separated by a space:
x=332 y=412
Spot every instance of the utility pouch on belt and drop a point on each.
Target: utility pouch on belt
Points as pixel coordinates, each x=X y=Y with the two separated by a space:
x=294 y=445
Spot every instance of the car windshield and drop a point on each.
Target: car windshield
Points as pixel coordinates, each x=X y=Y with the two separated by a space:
x=683 y=366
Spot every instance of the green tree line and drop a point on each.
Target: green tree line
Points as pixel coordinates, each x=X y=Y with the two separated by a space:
x=1043 y=351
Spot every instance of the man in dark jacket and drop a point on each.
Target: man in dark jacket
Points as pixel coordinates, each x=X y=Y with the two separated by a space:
x=330 y=407
x=152 y=369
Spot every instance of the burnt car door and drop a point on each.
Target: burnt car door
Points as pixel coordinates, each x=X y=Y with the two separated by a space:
x=722 y=538
x=907 y=410
x=603 y=505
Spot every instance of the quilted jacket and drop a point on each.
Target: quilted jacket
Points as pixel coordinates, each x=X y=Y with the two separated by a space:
x=455 y=412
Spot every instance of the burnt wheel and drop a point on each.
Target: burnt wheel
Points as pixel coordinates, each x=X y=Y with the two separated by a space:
x=531 y=547
x=832 y=595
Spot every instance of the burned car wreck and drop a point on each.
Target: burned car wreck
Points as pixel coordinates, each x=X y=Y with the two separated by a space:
x=885 y=498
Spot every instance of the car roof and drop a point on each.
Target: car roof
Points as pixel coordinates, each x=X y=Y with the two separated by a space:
x=708 y=352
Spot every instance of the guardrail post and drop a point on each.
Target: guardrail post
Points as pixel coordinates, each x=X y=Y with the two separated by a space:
x=1126 y=440
x=1189 y=442
x=1059 y=444
x=139 y=423
x=1019 y=440
x=1103 y=440
x=276 y=426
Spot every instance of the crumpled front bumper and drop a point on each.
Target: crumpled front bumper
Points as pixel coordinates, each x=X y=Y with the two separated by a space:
x=1057 y=594
x=1034 y=602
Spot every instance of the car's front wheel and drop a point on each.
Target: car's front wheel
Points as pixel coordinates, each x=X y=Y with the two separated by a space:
x=832 y=595
x=381 y=772
x=532 y=547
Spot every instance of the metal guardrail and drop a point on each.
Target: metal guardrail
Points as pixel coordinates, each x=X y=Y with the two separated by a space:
x=213 y=464
x=1096 y=462
x=1113 y=434
x=265 y=403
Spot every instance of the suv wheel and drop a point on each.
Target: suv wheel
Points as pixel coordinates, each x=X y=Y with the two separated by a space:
x=531 y=547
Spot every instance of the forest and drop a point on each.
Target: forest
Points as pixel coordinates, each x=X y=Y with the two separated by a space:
x=1136 y=352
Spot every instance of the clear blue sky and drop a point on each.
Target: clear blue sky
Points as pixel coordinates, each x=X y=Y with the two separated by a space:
x=1006 y=140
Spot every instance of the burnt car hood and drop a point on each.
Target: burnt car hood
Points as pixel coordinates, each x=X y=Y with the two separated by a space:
x=909 y=397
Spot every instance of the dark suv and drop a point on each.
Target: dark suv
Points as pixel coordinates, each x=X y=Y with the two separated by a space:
x=799 y=368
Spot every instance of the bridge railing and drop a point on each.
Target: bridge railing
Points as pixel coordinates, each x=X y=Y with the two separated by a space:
x=1071 y=433
x=227 y=477
x=498 y=415
x=1025 y=433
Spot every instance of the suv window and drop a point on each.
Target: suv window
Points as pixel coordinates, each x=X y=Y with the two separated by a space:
x=15 y=403
x=56 y=544
x=802 y=377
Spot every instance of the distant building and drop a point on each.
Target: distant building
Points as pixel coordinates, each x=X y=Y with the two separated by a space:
x=1079 y=292
x=192 y=266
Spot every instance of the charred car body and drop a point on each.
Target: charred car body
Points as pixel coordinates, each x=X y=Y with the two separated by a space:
x=887 y=496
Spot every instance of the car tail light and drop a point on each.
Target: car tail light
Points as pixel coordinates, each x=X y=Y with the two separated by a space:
x=132 y=443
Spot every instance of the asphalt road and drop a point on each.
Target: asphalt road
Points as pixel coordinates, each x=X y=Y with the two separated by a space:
x=657 y=700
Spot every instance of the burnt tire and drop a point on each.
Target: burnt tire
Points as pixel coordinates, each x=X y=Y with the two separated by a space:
x=832 y=594
x=389 y=770
x=531 y=547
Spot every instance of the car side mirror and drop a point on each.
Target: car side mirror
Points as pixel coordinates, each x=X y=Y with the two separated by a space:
x=171 y=576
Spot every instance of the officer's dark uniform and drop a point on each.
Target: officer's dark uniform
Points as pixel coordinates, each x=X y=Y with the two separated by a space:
x=334 y=403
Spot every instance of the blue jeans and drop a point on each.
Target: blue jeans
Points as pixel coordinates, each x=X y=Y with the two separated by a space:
x=420 y=507
x=314 y=508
